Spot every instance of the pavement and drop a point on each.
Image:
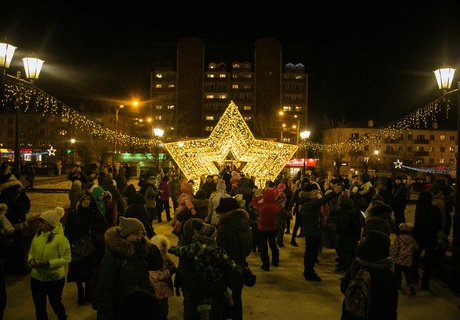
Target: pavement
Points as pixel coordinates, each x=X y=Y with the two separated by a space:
x=281 y=293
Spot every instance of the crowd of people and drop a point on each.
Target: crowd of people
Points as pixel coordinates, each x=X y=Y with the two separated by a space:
x=129 y=271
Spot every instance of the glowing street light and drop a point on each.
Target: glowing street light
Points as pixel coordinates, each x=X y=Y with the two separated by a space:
x=32 y=68
x=305 y=135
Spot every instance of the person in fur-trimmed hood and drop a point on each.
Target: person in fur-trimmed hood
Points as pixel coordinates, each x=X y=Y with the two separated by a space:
x=124 y=268
x=235 y=237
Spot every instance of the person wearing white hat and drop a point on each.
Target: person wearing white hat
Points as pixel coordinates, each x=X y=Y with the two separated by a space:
x=48 y=255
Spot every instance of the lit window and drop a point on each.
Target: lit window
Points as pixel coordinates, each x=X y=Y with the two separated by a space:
x=247 y=108
x=209 y=118
x=235 y=86
x=222 y=75
x=442 y=161
x=159 y=75
x=158 y=117
x=170 y=107
x=158 y=107
x=442 y=137
x=171 y=85
x=451 y=149
x=209 y=96
x=209 y=75
x=248 y=118
x=209 y=128
x=158 y=86
x=223 y=96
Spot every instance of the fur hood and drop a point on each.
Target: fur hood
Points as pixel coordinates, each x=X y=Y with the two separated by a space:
x=12 y=182
x=116 y=243
x=237 y=219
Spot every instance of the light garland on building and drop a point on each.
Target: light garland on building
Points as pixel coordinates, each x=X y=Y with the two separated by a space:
x=264 y=159
x=442 y=171
x=25 y=96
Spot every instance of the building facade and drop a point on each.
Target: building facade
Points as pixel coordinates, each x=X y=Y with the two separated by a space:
x=419 y=150
x=188 y=100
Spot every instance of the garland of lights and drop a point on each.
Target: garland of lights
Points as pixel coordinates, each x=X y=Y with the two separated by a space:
x=24 y=97
x=263 y=159
x=442 y=171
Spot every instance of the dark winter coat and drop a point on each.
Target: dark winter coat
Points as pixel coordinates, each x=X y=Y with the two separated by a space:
x=78 y=224
x=384 y=290
x=348 y=223
x=13 y=195
x=311 y=211
x=123 y=269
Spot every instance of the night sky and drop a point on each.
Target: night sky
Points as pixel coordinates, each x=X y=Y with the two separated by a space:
x=371 y=59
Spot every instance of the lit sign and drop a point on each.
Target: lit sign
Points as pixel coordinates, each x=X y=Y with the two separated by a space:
x=138 y=157
x=300 y=162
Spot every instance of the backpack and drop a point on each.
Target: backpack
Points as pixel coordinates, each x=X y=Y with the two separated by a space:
x=358 y=294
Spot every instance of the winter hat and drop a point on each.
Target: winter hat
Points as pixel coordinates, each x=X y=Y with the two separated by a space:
x=221 y=186
x=97 y=191
x=195 y=228
x=129 y=226
x=227 y=204
x=161 y=242
x=377 y=225
x=152 y=180
x=187 y=188
x=373 y=248
x=53 y=216
x=380 y=209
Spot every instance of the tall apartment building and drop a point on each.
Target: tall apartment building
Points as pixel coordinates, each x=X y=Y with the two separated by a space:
x=188 y=100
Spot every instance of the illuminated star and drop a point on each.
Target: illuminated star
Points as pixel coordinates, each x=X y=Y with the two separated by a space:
x=398 y=164
x=263 y=159
x=51 y=151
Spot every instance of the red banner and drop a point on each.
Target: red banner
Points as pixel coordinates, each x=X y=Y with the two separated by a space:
x=300 y=162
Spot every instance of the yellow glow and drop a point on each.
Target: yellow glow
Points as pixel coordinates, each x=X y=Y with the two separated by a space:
x=264 y=159
x=32 y=67
x=444 y=77
x=6 y=54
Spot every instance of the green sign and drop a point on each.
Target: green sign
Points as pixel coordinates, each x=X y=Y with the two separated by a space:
x=138 y=157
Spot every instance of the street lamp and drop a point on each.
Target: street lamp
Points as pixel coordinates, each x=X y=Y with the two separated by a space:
x=304 y=135
x=32 y=68
x=115 y=149
x=376 y=153
x=158 y=133
x=72 y=142
x=444 y=78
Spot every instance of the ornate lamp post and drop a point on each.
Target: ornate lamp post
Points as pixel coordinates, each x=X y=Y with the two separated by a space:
x=32 y=68
x=304 y=135
x=444 y=78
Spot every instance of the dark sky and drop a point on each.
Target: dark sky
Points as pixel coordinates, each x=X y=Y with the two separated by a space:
x=371 y=59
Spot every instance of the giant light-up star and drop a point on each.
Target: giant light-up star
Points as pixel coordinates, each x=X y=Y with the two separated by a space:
x=263 y=159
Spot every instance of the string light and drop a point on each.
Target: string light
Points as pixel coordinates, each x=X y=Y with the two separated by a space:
x=263 y=159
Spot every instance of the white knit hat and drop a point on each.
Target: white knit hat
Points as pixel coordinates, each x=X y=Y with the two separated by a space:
x=53 y=216
x=129 y=226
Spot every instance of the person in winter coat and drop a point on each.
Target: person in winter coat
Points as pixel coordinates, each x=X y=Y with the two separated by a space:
x=48 y=255
x=162 y=280
x=174 y=187
x=311 y=213
x=124 y=268
x=74 y=194
x=373 y=254
x=214 y=200
x=151 y=194
x=137 y=208
x=399 y=201
x=86 y=219
x=203 y=271
x=110 y=186
x=165 y=194
x=402 y=253
x=12 y=194
x=348 y=229
x=427 y=224
x=268 y=209
x=6 y=228
x=235 y=237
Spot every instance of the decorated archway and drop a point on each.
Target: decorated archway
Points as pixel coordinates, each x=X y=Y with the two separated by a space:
x=231 y=140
